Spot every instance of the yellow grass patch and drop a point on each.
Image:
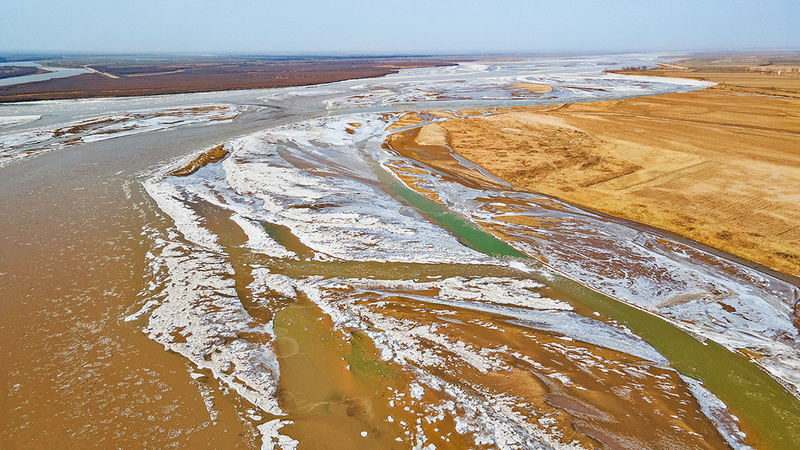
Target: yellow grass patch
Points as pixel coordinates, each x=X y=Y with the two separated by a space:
x=432 y=134
x=719 y=168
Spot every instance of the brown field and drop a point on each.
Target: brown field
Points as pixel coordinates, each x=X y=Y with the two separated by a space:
x=776 y=74
x=128 y=79
x=718 y=167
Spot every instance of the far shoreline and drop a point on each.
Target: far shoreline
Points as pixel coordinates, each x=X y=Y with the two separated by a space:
x=110 y=79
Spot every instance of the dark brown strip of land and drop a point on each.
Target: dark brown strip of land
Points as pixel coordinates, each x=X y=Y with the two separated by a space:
x=155 y=79
x=19 y=71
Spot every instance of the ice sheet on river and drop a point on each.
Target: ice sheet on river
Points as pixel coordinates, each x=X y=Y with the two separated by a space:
x=319 y=187
x=315 y=178
x=495 y=84
x=21 y=143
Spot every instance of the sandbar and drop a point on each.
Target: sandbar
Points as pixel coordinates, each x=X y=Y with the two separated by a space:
x=533 y=88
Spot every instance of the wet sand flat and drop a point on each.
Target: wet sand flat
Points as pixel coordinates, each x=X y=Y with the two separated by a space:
x=717 y=167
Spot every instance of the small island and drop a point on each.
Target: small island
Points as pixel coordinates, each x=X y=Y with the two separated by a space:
x=20 y=71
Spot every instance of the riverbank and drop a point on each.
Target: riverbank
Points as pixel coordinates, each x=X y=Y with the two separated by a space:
x=716 y=167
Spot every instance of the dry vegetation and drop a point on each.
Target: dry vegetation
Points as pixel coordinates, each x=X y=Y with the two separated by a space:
x=212 y=156
x=718 y=167
x=83 y=127
x=777 y=74
x=19 y=71
x=541 y=148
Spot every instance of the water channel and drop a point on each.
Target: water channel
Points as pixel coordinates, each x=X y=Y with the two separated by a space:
x=53 y=72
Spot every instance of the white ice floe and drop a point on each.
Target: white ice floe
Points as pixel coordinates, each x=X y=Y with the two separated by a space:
x=469 y=85
x=19 y=144
x=500 y=291
x=491 y=295
x=7 y=121
x=313 y=179
x=201 y=318
x=271 y=437
x=172 y=200
x=718 y=411
x=264 y=282
x=258 y=240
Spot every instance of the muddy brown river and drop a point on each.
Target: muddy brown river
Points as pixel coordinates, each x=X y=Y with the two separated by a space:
x=325 y=285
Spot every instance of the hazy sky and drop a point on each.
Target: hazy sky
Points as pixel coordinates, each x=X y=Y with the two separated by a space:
x=400 y=26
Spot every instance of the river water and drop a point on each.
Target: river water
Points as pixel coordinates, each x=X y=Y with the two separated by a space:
x=315 y=288
x=54 y=72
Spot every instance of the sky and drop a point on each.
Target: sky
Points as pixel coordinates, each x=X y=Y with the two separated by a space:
x=366 y=27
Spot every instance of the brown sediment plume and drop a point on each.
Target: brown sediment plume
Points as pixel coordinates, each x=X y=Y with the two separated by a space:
x=212 y=156
x=716 y=167
x=77 y=374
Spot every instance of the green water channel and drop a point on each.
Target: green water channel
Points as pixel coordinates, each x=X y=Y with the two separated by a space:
x=769 y=414
x=465 y=231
